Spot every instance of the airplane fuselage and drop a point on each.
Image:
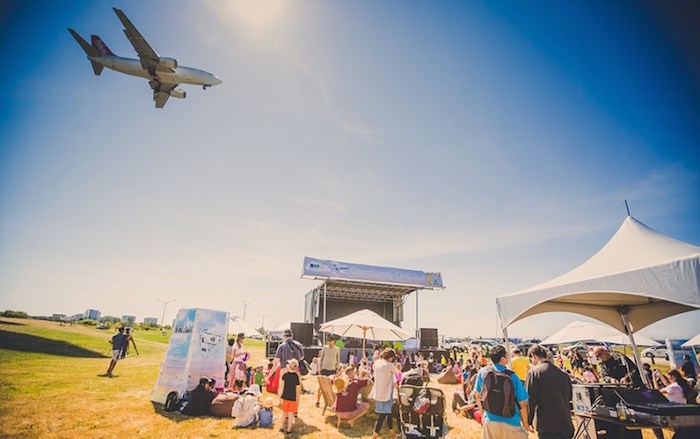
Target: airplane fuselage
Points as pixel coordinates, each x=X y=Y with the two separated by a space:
x=181 y=74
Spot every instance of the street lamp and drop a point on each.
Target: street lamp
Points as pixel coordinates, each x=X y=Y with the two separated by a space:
x=263 y=319
x=165 y=304
x=245 y=307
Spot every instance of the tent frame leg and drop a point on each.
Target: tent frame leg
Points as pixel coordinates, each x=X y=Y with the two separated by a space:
x=507 y=346
x=635 y=352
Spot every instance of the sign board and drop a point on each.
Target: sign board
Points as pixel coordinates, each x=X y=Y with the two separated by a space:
x=197 y=348
x=675 y=356
x=327 y=269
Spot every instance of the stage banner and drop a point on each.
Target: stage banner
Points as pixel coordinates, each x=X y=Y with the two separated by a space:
x=196 y=349
x=321 y=268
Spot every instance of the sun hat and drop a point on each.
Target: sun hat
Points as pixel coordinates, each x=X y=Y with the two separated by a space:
x=254 y=390
x=269 y=402
x=340 y=384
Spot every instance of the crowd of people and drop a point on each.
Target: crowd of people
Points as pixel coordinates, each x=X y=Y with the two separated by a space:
x=540 y=383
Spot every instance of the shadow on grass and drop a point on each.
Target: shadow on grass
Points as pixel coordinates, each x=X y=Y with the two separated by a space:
x=31 y=343
x=300 y=427
x=8 y=322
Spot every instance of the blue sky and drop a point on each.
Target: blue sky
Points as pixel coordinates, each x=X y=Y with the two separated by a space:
x=493 y=142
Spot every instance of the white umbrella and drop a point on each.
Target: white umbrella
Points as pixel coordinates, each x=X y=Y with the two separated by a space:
x=695 y=341
x=365 y=324
x=587 y=331
x=238 y=325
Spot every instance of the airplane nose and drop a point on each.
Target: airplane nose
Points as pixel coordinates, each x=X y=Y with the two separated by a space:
x=217 y=81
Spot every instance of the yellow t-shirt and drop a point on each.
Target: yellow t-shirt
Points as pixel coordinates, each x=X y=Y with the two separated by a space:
x=520 y=365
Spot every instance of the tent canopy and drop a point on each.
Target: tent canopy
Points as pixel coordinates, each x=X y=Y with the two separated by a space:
x=238 y=325
x=587 y=331
x=695 y=341
x=640 y=272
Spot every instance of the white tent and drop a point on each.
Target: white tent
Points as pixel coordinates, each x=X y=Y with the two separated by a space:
x=639 y=277
x=587 y=331
x=695 y=341
x=238 y=325
x=281 y=328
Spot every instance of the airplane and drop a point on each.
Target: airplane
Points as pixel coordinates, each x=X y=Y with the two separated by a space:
x=163 y=74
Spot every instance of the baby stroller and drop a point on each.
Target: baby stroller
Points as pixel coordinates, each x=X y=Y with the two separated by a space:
x=421 y=412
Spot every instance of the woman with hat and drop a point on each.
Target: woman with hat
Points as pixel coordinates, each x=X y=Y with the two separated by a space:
x=237 y=376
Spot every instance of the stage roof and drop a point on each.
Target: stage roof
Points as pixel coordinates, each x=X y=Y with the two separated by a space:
x=344 y=280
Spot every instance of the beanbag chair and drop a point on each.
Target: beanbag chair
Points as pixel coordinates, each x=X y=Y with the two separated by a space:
x=447 y=377
x=222 y=405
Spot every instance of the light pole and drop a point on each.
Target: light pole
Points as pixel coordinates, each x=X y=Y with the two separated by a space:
x=263 y=319
x=245 y=307
x=165 y=303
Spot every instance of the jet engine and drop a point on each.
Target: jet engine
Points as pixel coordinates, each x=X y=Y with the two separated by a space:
x=170 y=63
x=177 y=93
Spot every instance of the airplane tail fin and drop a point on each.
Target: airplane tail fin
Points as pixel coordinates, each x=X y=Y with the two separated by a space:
x=100 y=46
x=89 y=51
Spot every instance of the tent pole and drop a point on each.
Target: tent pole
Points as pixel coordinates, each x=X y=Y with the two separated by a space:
x=364 y=342
x=417 y=330
x=324 y=310
x=635 y=352
x=507 y=343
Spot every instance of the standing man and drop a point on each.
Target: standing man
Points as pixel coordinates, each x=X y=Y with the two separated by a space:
x=620 y=369
x=118 y=342
x=549 y=391
x=287 y=350
x=520 y=364
x=328 y=362
x=494 y=423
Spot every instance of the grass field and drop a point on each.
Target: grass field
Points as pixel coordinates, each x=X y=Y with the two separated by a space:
x=50 y=387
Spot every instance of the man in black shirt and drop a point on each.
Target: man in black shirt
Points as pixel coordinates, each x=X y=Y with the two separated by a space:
x=621 y=369
x=688 y=368
x=200 y=399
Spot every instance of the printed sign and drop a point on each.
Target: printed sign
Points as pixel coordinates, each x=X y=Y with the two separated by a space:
x=197 y=348
x=320 y=268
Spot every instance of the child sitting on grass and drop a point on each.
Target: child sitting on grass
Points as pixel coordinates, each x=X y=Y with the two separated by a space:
x=290 y=392
x=265 y=417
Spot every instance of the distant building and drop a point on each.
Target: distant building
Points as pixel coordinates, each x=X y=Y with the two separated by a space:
x=75 y=317
x=150 y=320
x=92 y=314
x=58 y=317
x=128 y=319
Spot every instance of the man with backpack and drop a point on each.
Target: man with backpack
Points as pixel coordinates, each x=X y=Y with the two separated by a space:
x=502 y=400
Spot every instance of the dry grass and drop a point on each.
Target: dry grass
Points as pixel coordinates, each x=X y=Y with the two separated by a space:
x=50 y=388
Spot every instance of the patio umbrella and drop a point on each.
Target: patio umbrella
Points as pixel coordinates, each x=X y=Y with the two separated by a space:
x=365 y=324
x=237 y=325
x=587 y=331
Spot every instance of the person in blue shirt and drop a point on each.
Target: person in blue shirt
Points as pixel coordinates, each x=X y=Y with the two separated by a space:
x=493 y=425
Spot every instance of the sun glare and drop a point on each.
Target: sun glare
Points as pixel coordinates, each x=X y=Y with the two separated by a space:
x=259 y=14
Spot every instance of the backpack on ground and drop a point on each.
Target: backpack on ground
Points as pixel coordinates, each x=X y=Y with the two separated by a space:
x=172 y=402
x=498 y=393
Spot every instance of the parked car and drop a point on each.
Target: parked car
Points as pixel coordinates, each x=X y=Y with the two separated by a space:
x=584 y=345
x=483 y=342
x=102 y=326
x=656 y=352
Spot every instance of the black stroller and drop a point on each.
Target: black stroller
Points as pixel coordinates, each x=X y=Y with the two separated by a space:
x=421 y=412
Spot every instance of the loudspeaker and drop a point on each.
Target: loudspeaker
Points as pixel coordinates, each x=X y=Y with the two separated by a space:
x=271 y=348
x=428 y=338
x=303 y=333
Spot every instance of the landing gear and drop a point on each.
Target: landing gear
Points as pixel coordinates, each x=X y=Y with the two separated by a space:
x=204 y=87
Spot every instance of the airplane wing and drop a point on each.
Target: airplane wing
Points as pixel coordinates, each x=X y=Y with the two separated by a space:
x=149 y=58
x=161 y=93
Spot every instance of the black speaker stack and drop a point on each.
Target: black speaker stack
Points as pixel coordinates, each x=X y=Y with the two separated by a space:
x=303 y=333
x=428 y=338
